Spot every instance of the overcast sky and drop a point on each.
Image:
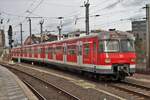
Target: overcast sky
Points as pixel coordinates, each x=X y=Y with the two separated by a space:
x=114 y=14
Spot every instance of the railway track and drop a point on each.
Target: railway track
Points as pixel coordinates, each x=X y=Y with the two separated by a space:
x=137 y=90
x=38 y=95
x=67 y=95
x=140 y=91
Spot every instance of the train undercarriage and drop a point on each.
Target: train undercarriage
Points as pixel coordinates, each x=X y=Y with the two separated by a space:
x=119 y=71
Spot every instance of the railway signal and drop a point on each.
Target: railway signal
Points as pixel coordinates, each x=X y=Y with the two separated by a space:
x=30 y=29
x=10 y=36
x=41 y=27
x=60 y=27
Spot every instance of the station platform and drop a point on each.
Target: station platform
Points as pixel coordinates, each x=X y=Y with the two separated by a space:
x=11 y=88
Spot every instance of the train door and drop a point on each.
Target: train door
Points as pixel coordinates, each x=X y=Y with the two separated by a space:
x=87 y=53
x=32 y=52
x=35 y=52
x=28 y=52
x=46 y=52
x=94 y=52
x=43 y=52
x=38 y=51
x=54 y=53
x=65 y=53
x=79 y=57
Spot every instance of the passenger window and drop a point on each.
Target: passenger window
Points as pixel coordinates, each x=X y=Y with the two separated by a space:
x=59 y=49
x=72 y=49
x=50 y=50
x=86 y=49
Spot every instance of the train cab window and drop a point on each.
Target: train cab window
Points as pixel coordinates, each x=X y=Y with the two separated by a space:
x=109 y=46
x=86 y=49
x=101 y=46
x=127 y=45
x=95 y=50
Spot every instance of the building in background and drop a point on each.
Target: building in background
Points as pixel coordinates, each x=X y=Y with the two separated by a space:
x=139 y=31
x=2 y=41
x=36 y=38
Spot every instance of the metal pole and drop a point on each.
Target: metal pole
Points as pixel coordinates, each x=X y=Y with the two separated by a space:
x=148 y=36
x=41 y=27
x=21 y=37
x=59 y=30
x=21 y=34
x=30 y=31
x=87 y=17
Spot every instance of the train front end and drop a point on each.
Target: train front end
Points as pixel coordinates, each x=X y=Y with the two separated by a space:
x=117 y=51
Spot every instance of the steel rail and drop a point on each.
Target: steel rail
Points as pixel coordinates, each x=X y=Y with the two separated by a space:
x=132 y=91
x=64 y=92
x=38 y=95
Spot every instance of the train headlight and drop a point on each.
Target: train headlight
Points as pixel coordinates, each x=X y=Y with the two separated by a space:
x=133 y=60
x=107 y=60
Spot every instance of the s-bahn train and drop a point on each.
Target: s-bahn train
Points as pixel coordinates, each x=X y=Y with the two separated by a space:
x=107 y=53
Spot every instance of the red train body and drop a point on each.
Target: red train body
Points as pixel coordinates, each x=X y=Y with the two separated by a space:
x=105 y=53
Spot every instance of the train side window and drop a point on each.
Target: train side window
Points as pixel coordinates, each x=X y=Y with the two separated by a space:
x=32 y=51
x=71 y=49
x=86 y=49
x=46 y=50
x=94 y=46
x=59 y=49
x=39 y=50
x=36 y=50
x=28 y=50
x=50 y=50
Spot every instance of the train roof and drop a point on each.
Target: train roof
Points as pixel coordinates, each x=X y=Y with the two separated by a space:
x=115 y=34
x=100 y=35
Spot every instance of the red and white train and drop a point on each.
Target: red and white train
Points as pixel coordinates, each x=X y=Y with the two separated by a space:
x=108 y=53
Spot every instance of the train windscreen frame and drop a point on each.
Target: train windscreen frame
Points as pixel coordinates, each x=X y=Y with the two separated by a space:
x=109 y=45
x=122 y=45
x=127 y=45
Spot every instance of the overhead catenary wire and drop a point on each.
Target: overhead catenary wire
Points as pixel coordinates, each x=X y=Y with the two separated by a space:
x=72 y=17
